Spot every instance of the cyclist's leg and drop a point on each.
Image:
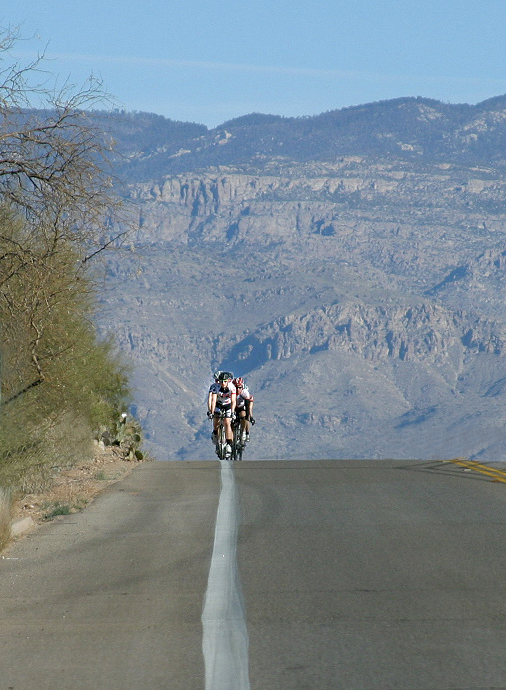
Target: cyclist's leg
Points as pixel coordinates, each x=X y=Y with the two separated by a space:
x=249 y=412
x=241 y=419
x=216 y=422
x=229 y=434
x=216 y=419
x=227 y=427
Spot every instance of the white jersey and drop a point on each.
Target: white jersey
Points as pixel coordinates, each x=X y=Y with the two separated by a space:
x=243 y=397
x=224 y=395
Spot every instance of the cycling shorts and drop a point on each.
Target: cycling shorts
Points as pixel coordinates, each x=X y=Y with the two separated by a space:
x=227 y=408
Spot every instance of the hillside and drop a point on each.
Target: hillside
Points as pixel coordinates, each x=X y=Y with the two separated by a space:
x=415 y=130
x=350 y=265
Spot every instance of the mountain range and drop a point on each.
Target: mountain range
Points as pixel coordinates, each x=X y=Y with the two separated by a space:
x=350 y=265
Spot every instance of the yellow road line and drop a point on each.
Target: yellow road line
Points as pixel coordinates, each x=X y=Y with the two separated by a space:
x=496 y=474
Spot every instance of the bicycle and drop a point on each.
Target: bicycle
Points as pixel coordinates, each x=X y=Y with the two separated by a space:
x=221 y=442
x=238 y=446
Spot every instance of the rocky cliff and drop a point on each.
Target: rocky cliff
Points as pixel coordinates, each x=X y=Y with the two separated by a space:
x=362 y=295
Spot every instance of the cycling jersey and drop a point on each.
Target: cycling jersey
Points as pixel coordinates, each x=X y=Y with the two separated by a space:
x=243 y=397
x=223 y=395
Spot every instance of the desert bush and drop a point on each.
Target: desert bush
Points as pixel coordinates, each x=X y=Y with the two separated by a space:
x=60 y=384
x=81 y=388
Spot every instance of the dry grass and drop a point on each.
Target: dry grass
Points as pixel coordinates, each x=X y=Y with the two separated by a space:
x=5 y=517
x=69 y=489
x=27 y=466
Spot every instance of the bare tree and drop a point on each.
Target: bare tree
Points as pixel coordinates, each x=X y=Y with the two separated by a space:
x=53 y=162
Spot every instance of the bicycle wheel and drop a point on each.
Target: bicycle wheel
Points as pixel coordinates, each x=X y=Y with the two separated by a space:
x=240 y=449
x=234 y=443
x=238 y=442
x=222 y=442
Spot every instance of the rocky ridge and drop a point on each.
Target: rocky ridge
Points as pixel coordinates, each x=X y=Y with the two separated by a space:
x=362 y=295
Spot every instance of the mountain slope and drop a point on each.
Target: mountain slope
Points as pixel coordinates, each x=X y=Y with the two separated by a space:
x=351 y=265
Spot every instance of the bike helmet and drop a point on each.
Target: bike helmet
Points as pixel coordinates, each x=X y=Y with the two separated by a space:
x=238 y=382
x=216 y=375
x=225 y=376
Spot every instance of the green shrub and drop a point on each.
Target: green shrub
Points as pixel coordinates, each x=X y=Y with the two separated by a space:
x=61 y=385
x=58 y=382
x=58 y=509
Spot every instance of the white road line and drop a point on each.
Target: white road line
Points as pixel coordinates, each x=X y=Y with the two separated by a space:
x=225 y=636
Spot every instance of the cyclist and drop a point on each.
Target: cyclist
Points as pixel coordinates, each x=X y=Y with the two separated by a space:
x=222 y=396
x=244 y=407
x=212 y=388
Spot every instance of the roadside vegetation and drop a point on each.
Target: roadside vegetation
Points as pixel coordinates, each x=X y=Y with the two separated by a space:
x=61 y=386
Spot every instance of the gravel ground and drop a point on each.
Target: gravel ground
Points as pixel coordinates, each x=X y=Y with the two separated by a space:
x=72 y=489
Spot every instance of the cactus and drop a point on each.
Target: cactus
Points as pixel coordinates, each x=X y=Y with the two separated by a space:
x=125 y=433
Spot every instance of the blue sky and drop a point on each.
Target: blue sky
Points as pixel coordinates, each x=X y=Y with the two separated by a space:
x=209 y=61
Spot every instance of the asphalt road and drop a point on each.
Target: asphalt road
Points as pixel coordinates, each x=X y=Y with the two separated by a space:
x=352 y=575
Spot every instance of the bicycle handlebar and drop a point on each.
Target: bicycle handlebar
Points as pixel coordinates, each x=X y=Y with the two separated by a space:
x=217 y=413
